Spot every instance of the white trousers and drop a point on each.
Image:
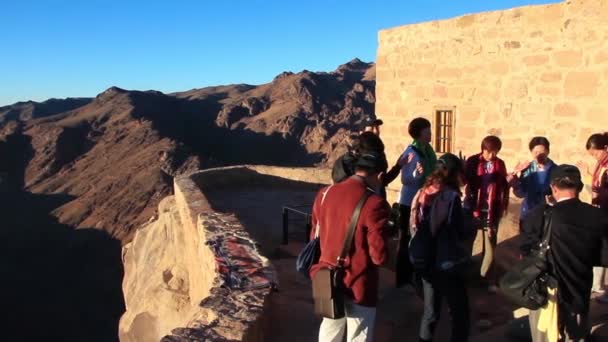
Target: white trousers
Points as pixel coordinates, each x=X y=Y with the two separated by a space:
x=598 y=278
x=358 y=323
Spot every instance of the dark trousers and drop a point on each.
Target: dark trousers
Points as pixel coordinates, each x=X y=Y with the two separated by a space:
x=574 y=327
x=403 y=268
x=451 y=285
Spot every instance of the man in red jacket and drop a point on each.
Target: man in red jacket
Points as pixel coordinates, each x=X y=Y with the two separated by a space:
x=332 y=212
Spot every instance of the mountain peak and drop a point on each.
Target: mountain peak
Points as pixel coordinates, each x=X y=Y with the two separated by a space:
x=114 y=90
x=354 y=65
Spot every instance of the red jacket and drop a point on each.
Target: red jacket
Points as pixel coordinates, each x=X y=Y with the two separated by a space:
x=496 y=191
x=368 y=249
x=599 y=184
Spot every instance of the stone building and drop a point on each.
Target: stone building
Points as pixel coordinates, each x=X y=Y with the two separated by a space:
x=518 y=73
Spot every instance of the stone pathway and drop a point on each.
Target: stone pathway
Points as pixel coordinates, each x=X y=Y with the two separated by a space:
x=399 y=310
x=291 y=317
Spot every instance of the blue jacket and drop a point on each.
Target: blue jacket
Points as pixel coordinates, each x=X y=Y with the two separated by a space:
x=411 y=179
x=532 y=186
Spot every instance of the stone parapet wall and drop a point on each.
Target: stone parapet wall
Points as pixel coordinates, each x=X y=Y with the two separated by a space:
x=181 y=282
x=231 y=313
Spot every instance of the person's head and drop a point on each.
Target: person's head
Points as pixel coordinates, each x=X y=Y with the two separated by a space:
x=597 y=145
x=370 y=124
x=367 y=141
x=420 y=129
x=539 y=147
x=490 y=146
x=371 y=165
x=565 y=182
x=449 y=172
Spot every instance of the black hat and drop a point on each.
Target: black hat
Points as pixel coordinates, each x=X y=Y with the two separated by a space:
x=569 y=172
x=370 y=120
x=372 y=160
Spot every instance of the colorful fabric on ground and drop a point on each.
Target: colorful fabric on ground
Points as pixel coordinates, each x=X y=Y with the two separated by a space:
x=239 y=264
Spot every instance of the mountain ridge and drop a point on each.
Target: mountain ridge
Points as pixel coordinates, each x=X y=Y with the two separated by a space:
x=116 y=153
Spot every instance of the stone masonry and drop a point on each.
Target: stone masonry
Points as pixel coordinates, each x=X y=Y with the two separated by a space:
x=518 y=73
x=537 y=70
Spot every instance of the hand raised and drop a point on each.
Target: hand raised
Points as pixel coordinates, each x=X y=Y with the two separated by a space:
x=419 y=168
x=522 y=165
x=463 y=158
x=583 y=167
x=406 y=159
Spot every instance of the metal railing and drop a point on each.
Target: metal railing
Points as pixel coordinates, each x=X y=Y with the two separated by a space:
x=299 y=210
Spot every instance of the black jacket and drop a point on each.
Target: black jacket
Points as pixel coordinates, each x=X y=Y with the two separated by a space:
x=447 y=248
x=579 y=241
x=344 y=167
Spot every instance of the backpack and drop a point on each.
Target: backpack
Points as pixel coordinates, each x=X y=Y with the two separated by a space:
x=443 y=250
x=423 y=249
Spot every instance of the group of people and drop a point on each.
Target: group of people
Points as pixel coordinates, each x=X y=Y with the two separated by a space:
x=444 y=201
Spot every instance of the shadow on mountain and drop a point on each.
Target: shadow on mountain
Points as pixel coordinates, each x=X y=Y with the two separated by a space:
x=58 y=283
x=248 y=147
x=15 y=153
x=191 y=123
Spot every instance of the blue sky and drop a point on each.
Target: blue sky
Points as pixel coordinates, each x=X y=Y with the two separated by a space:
x=53 y=48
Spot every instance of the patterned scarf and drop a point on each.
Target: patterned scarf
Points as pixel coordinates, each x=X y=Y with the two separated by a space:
x=429 y=157
x=496 y=190
x=599 y=186
x=439 y=200
x=600 y=168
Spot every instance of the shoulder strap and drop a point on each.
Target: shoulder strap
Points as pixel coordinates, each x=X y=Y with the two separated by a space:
x=544 y=245
x=351 y=228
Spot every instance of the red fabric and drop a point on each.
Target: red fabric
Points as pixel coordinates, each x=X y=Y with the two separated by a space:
x=427 y=194
x=599 y=184
x=495 y=194
x=424 y=200
x=368 y=249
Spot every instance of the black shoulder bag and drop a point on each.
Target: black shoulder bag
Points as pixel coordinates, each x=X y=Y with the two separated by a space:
x=526 y=283
x=328 y=282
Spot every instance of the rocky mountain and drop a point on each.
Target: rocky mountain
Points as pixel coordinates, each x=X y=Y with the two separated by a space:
x=115 y=154
x=23 y=111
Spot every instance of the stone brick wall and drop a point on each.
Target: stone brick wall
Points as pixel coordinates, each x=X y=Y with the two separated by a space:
x=518 y=73
x=538 y=70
